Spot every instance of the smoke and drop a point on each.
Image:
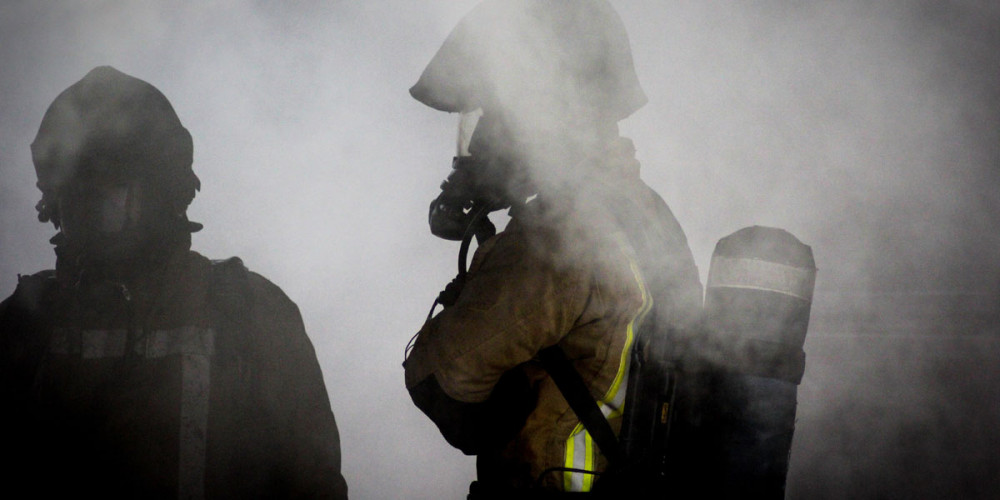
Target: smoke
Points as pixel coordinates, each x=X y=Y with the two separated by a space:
x=868 y=131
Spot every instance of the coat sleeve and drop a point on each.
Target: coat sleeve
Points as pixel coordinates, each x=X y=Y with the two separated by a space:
x=292 y=387
x=22 y=345
x=517 y=300
x=23 y=337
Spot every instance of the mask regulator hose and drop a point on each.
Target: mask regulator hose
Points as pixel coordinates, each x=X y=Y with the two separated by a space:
x=483 y=229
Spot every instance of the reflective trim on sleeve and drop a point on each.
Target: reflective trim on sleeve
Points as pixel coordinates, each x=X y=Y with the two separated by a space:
x=580 y=450
x=576 y=455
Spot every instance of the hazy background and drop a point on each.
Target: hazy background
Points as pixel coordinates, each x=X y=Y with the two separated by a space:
x=871 y=130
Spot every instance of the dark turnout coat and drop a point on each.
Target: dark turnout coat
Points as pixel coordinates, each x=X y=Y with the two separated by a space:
x=195 y=381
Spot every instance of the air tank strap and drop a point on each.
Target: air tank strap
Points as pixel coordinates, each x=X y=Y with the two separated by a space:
x=574 y=389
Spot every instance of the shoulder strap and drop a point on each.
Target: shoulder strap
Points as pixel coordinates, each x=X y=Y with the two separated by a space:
x=231 y=306
x=574 y=389
x=229 y=288
x=230 y=303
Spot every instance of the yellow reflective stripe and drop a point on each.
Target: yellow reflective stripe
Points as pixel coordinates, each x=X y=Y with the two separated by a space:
x=568 y=463
x=615 y=398
x=612 y=404
x=575 y=445
x=580 y=454
x=588 y=479
x=580 y=450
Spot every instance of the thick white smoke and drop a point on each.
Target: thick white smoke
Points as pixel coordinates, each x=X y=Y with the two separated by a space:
x=868 y=131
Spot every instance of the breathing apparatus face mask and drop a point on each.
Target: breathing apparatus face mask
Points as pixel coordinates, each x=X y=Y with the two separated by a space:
x=475 y=186
x=104 y=218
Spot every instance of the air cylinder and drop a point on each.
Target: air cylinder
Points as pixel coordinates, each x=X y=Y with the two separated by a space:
x=757 y=303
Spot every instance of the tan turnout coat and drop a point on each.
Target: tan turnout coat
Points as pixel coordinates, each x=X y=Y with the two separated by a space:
x=562 y=273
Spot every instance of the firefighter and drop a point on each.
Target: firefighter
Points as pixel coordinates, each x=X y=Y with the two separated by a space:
x=590 y=256
x=137 y=367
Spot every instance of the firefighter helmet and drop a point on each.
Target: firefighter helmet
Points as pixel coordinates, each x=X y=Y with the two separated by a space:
x=110 y=124
x=514 y=55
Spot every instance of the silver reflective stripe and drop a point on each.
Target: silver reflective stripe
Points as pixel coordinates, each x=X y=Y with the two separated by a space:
x=195 y=346
x=195 y=370
x=758 y=274
x=578 y=456
x=188 y=340
x=98 y=344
